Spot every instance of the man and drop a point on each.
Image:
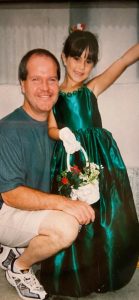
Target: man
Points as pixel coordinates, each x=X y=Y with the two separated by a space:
x=31 y=217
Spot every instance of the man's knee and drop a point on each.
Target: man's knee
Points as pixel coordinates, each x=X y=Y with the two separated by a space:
x=69 y=230
x=62 y=228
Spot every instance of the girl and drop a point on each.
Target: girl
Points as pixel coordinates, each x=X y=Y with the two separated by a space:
x=105 y=254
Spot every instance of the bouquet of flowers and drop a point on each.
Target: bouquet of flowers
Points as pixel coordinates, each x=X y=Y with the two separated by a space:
x=82 y=185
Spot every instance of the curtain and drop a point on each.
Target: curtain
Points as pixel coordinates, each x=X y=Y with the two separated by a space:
x=22 y=29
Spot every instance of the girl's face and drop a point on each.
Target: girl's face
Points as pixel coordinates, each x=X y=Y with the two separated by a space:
x=78 y=68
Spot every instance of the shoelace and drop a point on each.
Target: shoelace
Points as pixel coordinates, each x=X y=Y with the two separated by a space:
x=31 y=279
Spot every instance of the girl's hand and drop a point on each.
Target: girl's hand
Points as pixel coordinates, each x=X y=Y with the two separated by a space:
x=69 y=140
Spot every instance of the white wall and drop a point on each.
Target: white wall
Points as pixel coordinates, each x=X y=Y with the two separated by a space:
x=10 y=98
x=119 y=108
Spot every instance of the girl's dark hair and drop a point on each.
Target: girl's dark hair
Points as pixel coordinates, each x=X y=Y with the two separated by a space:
x=78 y=41
x=22 y=70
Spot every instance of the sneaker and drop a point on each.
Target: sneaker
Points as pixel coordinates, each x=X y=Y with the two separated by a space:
x=26 y=284
x=7 y=255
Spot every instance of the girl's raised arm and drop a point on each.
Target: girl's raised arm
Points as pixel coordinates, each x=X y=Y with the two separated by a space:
x=101 y=82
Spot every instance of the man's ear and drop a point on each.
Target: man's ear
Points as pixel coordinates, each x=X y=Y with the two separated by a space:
x=22 y=86
x=63 y=58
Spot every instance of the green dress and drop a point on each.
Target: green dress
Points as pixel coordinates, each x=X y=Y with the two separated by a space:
x=105 y=254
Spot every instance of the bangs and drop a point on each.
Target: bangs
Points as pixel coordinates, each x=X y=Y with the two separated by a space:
x=79 y=46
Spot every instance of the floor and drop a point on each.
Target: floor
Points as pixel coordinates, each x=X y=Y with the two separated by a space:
x=129 y=292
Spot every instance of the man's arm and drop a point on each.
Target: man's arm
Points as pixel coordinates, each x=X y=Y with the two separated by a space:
x=30 y=199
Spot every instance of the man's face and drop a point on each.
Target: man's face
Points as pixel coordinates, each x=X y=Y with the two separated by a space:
x=41 y=86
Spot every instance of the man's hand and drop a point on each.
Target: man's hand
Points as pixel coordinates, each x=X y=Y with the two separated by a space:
x=82 y=211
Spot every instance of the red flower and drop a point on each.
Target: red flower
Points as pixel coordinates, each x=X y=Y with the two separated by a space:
x=64 y=180
x=75 y=169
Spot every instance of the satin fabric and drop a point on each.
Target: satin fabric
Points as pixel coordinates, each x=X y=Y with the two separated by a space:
x=105 y=253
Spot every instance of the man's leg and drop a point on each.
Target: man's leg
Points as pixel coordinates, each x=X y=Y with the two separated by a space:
x=57 y=231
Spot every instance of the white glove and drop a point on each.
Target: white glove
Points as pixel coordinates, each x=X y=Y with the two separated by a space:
x=69 y=140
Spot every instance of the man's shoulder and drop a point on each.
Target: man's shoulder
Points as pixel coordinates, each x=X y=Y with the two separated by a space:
x=10 y=117
x=10 y=121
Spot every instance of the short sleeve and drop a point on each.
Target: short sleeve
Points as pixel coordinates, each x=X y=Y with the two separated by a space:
x=12 y=172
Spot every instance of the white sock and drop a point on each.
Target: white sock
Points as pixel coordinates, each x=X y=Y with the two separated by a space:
x=17 y=269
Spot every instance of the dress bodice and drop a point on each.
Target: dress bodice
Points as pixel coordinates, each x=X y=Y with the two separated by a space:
x=77 y=110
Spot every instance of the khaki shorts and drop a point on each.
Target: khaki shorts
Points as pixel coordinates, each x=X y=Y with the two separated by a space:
x=18 y=227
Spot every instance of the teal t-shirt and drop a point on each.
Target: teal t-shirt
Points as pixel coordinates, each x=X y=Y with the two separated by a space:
x=25 y=152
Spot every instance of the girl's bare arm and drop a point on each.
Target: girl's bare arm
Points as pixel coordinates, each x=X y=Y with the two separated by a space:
x=53 y=130
x=101 y=82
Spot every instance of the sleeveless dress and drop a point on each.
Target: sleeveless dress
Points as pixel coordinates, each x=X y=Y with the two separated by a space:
x=105 y=254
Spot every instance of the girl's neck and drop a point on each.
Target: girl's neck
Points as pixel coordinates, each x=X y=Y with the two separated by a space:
x=68 y=86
